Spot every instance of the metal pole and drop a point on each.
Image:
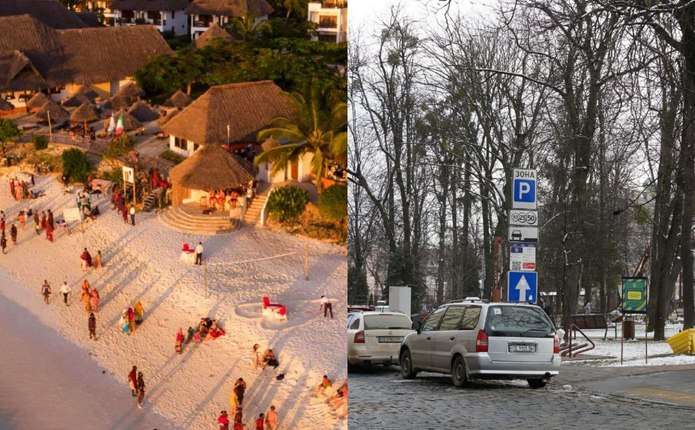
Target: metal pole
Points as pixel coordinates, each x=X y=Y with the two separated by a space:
x=50 y=129
x=622 y=340
x=646 y=352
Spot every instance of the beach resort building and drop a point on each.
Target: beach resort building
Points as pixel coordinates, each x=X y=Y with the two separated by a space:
x=168 y=16
x=35 y=57
x=232 y=115
x=49 y=12
x=204 y=13
x=331 y=19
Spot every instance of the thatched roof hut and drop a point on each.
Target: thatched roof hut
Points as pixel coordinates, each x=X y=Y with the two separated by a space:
x=85 y=113
x=143 y=112
x=18 y=72
x=37 y=100
x=76 y=100
x=118 y=102
x=229 y=7
x=50 y=12
x=149 y=5
x=58 y=115
x=215 y=32
x=129 y=122
x=5 y=105
x=209 y=168
x=178 y=100
x=131 y=90
x=245 y=108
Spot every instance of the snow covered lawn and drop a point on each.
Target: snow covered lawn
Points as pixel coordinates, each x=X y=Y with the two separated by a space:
x=142 y=264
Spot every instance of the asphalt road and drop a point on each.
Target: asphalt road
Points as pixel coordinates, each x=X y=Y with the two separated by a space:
x=584 y=398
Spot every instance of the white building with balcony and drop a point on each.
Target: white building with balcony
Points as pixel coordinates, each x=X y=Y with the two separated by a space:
x=204 y=13
x=331 y=19
x=168 y=16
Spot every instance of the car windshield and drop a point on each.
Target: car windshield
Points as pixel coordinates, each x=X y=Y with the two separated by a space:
x=518 y=321
x=386 y=322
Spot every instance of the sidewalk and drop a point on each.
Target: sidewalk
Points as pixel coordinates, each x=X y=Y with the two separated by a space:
x=673 y=385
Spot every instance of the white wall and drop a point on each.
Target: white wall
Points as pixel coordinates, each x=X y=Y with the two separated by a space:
x=176 y=21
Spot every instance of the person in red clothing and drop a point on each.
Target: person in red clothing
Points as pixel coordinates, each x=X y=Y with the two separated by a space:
x=260 y=422
x=179 y=341
x=133 y=380
x=131 y=319
x=223 y=421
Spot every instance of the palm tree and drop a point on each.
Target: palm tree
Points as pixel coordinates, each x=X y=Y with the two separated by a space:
x=316 y=131
x=247 y=27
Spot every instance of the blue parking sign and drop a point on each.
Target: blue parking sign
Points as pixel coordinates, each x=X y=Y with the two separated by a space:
x=524 y=189
x=522 y=287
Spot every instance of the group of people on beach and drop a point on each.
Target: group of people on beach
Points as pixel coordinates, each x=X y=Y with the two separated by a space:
x=206 y=329
x=87 y=261
x=265 y=421
x=20 y=190
x=136 y=382
x=131 y=318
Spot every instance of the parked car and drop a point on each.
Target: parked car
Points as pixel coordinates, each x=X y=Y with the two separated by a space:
x=470 y=340
x=375 y=337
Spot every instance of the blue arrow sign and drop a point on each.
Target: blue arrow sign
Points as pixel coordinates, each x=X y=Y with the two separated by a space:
x=522 y=287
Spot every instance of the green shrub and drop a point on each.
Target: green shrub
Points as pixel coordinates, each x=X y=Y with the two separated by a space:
x=114 y=175
x=75 y=165
x=333 y=202
x=8 y=132
x=287 y=203
x=119 y=146
x=172 y=156
x=40 y=142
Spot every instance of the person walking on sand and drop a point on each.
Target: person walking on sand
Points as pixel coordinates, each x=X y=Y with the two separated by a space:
x=37 y=223
x=258 y=362
x=260 y=421
x=50 y=220
x=92 y=325
x=327 y=306
x=94 y=300
x=199 y=254
x=86 y=258
x=239 y=420
x=49 y=232
x=13 y=234
x=133 y=380
x=223 y=421
x=132 y=214
x=239 y=390
x=46 y=291
x=179 y=341
x=141 y=390
x=124 y=213
x=3 y=242
x=271 y=419
x=65 y=291
x=131 y=319
x=97 y=260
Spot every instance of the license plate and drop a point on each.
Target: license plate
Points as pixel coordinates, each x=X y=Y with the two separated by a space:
x=522 y=347
x=390 y=339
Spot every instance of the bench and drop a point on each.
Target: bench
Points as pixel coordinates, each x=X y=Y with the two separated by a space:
x=595 y=321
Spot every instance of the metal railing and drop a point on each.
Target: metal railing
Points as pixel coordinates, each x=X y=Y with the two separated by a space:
x=571 y=349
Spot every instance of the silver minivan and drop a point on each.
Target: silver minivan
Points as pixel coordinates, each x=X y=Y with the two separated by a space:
x=472 y=340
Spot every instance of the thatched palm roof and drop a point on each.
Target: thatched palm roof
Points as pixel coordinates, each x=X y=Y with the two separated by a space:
x=58 y=115
x=229 y=7
x=5 y=105
x=118 y=102
x=210 y=168
x=129 y=122
x=149 y=5
x=131 y=90
x=178 y=100
x=50 y=12
x=143 y=112
x=38 y=100
x=85 y=113
x=76 y=100
x=215 y=32
x=18 y=72
x=82 y=55
x=246 y=107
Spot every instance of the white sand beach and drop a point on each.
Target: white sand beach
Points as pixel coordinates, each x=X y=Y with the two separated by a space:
x=142 y=264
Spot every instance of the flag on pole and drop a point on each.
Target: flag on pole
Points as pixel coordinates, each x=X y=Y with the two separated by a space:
x=112 y=125
x=119 y=125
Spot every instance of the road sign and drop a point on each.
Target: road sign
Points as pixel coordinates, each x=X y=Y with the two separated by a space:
x=522 y=257
x=634 y=295
x=128 y=175
x=523 y=234
x=523 y=218
x=522 y=287
x=524 y=189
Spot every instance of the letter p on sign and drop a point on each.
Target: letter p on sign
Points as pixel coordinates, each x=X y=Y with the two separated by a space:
x=524 y=194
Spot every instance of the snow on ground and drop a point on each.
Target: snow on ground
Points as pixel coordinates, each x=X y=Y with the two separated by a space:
x=142 y=264
x=659 y=353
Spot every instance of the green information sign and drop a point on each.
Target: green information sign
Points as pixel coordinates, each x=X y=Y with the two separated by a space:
x=634 y=295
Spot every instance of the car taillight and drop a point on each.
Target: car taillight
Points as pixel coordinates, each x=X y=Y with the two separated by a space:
x=556 y=345
x=359 y=337
x=481 y=341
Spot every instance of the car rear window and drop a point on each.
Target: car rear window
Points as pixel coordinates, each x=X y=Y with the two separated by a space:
x=518 y=321
x=386 y=322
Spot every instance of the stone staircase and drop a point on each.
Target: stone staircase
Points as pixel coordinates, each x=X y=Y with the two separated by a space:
x=253 y=213
x=184 y=221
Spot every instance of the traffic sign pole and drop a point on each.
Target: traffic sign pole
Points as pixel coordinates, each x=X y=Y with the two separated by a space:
x=522 y=278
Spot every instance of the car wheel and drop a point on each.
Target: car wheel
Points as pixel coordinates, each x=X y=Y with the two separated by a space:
x=459 y=374
x=407 y=371
x=537 y=383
